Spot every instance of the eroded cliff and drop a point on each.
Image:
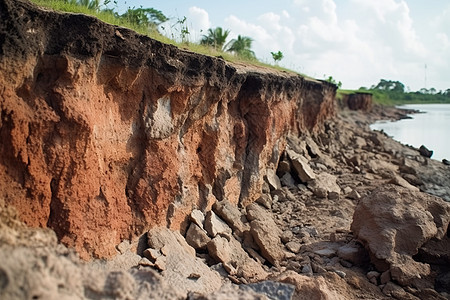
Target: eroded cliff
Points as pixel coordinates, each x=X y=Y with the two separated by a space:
x=106 y=133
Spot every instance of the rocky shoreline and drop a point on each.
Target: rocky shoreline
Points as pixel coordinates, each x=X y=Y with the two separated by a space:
x=344 y=216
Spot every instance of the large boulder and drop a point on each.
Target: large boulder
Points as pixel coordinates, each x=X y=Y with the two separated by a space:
x=394 y=222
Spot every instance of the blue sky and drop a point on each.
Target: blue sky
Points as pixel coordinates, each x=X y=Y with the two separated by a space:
x=358 y=42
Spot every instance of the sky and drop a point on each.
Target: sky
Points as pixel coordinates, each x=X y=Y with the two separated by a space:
x=357 y=42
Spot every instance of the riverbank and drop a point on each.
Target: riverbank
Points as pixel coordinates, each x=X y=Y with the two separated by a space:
x=428 y=128
x=300 y=238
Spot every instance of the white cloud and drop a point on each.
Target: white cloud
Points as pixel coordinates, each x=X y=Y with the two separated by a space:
x=356 y=41
x=198 y=21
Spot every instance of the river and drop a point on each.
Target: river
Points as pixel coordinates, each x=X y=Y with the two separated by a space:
x=430 y=128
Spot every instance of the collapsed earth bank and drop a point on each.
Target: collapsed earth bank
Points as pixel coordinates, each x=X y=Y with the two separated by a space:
x=107 y=133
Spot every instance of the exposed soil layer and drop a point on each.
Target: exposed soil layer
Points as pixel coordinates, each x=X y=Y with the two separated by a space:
x=106 y=133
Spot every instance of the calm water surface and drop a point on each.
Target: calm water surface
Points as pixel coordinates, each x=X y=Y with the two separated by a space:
x=430 y=128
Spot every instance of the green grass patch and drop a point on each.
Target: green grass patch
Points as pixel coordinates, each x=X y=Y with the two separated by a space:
x=111 y=18
x=105 y=16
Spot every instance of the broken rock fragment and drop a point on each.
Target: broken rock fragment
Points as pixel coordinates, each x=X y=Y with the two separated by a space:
x=324 y=185
x=232 y=216
x=215 y=225
x=266 y=233
x=300 y=165
x=197 y=237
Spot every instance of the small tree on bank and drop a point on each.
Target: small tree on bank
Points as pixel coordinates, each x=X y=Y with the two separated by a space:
x=277 y=56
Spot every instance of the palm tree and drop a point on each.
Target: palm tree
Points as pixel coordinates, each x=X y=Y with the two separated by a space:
x=216 y=38
x=241 y=46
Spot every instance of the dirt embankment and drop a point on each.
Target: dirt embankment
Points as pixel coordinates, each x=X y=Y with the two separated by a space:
x=106 y=133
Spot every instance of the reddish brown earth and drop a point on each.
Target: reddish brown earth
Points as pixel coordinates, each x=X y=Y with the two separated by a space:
x=106 y=133
x=357 y=101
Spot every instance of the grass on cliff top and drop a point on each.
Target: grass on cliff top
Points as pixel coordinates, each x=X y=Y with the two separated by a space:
x=108 y=17
x=105 y=16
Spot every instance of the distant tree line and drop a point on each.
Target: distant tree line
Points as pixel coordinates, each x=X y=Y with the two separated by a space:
x=394 y=92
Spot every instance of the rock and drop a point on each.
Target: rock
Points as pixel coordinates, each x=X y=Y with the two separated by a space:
x=347 y=190
x=286 y=236
x=266 y=233
x=197 y=217
x=219 y=249
x=288 y=180
x=235 y=260
x=179 y=261
x=359 y=142
x=232 y=216
x=446 y=162
x=353 y=253
x=327 y=252
x=398 y=180
x=341 y=274
x=214 y=225
x=307 y=269
x=231 y=291
x=294 y=247
x=413 y=179
x=265 y=200
x=393 y=223
x=355 y=160
x=272 y=289
x=197 y=237
x=424 y=151
x=152 y=254
x=146 y=263
x=284 y=167
x=312 y=148
x=393 y=290
x=385 y=277
x=324 y=185
x=309 y=287
x=124 y=246
x=373 y=277
x=354 y=195
x=272 y=179
x=345 y=263
x=300 y=165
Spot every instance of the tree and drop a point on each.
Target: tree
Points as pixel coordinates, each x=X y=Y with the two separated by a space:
x=148 y=17
x=241 y=46
x=277 y=56
x=330 y=79
x=447 y=93
x=215 y=38
x=390 y=85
